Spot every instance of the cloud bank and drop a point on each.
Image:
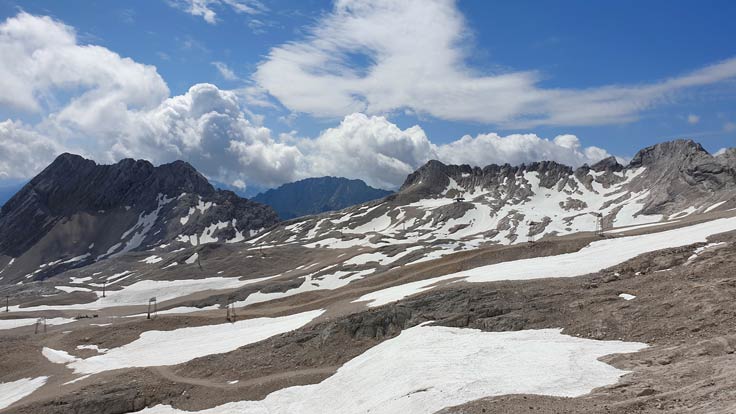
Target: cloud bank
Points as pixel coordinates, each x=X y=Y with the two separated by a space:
x=88 y=99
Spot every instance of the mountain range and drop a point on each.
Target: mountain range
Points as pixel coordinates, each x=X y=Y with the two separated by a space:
x=465 y=207
x=76 y=212
x=133 y=287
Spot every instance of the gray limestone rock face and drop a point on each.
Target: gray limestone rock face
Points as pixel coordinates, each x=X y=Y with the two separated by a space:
x=681 y=172
x=77 y=209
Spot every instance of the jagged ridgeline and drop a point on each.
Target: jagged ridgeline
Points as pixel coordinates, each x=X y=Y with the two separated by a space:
x=76 y=212
x=464 y=206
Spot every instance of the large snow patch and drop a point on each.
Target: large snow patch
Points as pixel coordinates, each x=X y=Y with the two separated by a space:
x=15 y=323
x=426 y=369
x=156 y=348
x=593 y=258
x=11 y=392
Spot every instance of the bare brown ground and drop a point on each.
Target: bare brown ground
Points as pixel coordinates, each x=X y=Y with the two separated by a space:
x=683 y=310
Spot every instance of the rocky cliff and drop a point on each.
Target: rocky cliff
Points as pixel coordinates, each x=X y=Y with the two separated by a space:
x=76 y=212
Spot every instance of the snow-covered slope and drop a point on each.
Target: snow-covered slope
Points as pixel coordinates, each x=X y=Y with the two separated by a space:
x=441 y=367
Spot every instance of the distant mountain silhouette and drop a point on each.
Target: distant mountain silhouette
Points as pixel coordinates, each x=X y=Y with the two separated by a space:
x=317 y=195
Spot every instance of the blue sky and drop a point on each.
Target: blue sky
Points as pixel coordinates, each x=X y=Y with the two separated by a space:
x=617 y=75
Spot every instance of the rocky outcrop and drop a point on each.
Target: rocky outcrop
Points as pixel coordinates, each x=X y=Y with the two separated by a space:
x=682 y=173
x=607 y=164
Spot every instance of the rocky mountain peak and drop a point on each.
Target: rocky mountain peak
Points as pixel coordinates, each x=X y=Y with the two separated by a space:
x=727 y=157
x=607 y=164
x=180 y=177
x=68 y=160
x=77 y=208
x=432 y=178
x=685 y=150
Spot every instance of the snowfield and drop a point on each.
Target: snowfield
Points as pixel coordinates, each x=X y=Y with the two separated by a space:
x=592 y=258
x=56 y=356
x=15 y=323
x=156 y=348
x=441 y=367
x=140 y=292
x=11 y=392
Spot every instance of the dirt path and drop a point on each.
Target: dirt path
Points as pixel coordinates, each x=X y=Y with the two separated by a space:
x=291 y=376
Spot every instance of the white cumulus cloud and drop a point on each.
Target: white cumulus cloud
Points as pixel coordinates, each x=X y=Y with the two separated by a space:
x=207 y=127
x=515 y=149
x=379 y=152
x=90 y=100
x=94 y=101
x=24 y=152
x=42 y=57
x=370 y=148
